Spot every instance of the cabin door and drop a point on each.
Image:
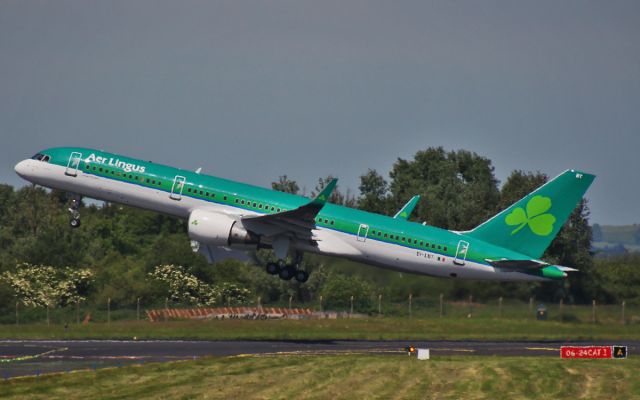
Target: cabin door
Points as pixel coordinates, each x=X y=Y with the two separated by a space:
x=363 y=230
x=177 y=187
x=461 y=252
x=73 y=164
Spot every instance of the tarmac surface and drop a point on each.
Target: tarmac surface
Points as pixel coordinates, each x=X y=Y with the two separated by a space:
x=35 y=357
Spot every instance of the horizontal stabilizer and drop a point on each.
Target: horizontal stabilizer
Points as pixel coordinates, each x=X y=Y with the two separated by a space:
x=517 y=265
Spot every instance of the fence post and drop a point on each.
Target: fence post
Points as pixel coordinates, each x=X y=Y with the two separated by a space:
x=500 y=307
x=108 y=310
x=593 y=311
x=561 y=309
x=138 y=309
x=260 y=304
x=290 y=299
x=166 y=308
x=470 y=306
x=321 y=310
x=441 y=304
x=379 y=305
x=410 y=298
x=351 y=313
x=17 y=313
x=78 y=312
x=624 y=321
x=530 y=304
x=48 y=319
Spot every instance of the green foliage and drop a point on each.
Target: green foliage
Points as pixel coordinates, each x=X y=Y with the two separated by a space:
x=185 y=288
x=458 y=189
x=339 y=289
x=286 y=185
x=374 y=191
x=43 y=286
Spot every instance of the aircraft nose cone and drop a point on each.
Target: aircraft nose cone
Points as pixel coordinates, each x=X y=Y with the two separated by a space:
x=23 y=169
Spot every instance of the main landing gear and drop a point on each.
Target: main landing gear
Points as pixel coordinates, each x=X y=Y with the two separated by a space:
x=74 y=209
x=288 y=272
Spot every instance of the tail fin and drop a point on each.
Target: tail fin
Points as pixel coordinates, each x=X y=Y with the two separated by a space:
x=529 y=225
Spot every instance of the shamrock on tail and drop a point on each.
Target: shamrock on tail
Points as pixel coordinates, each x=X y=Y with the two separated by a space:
x=540 y=223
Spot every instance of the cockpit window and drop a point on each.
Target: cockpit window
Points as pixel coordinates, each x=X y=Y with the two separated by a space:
x=41 y=157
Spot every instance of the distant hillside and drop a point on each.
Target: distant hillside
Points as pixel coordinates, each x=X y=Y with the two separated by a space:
x=615 y=239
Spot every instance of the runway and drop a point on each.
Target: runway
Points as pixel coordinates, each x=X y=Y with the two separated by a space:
x=34 y=357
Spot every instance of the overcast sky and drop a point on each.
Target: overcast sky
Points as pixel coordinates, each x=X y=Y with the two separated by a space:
x=253 y=90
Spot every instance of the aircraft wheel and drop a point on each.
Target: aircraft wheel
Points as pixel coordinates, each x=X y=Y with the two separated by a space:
x=286 y=273
x=272 y=268
x=302 y=276
x=74 y=223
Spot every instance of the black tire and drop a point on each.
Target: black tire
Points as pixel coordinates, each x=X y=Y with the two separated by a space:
x=74 y=223
x=272 y=268
x=287 y=273
x=302 y=276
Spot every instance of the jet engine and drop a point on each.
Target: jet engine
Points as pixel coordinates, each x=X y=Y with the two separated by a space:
x=210 y=227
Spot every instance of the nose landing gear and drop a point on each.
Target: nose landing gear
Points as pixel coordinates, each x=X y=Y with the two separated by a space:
x=74 y=209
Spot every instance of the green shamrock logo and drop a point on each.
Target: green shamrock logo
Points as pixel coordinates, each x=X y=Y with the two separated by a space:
x=540 y=223
x=403 y=214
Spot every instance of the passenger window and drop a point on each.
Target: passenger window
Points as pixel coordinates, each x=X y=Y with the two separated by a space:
x=332 y=222
x=242 y=202
x=260 y=205
x=445 y=248
x=224 y=198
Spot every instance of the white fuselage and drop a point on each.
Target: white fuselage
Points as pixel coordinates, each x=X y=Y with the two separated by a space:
x=329 y=241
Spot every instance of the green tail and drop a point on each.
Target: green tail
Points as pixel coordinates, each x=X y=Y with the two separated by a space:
x=529 y=225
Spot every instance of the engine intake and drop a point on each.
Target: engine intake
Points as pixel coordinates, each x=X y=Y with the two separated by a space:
x=218 y=229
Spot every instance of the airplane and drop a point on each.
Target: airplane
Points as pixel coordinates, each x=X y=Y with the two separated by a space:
x=226 y=217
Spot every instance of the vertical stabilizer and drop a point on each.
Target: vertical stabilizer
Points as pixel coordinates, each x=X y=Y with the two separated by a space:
x=529 y=225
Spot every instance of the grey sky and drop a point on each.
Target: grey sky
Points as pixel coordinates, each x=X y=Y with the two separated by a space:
x=253 y=90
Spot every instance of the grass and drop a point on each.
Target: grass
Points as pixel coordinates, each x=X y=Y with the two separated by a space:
x=343 y=377
x=372 y=328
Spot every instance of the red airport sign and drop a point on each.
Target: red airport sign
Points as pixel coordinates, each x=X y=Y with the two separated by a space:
x=593 y=352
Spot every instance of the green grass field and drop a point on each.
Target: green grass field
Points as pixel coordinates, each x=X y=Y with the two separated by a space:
x=343 y=377
x=373 y=328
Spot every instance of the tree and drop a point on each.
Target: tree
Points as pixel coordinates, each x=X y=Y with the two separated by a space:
x=286 y=185
x=338 y=289
x=45 y=286
x=458 y=188
x=373 y=193
x=596 y=231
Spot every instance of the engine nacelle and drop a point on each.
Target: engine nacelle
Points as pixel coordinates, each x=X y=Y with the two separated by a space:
x=209 y=227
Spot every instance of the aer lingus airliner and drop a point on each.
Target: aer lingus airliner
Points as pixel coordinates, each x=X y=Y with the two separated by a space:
x=225 y=216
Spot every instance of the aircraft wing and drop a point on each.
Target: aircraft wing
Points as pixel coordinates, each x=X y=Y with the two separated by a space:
x=298 y=222
x=407 y=209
